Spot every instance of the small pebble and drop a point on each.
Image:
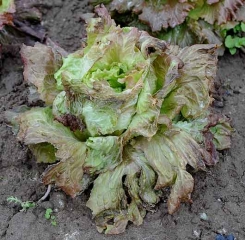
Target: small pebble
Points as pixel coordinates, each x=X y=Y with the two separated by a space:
x=204 y=216
x=219 y=104
x=59 y=200
x=58 y=3
x=222 y=231
x=242 y=90
x=236 y=91
x=197 y=233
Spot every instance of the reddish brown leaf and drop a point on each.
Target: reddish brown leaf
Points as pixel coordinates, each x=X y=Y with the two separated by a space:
x=170 y=14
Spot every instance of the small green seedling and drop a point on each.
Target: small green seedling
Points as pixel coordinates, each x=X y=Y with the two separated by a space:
x=25 y=205
x=48 y=215
x=235 y=39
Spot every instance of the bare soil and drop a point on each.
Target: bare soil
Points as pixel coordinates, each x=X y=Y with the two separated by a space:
x=219 y=192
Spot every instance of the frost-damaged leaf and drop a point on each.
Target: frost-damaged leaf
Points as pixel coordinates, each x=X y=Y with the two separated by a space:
x=191 y=32
x=169 y=14
x=168 y=154
x=44 y=152
x=104 y=153
x=180 y=35
x=11 y=117
x=207 y=33
x=153 y=165
x=40 y=64
x=111 y=207
x=222 y=135
x=121 y=5
x=108 y=199
x=7 y=8
x=221 y=130
x=220 y=12
x=157 y=14
x=213 y=131
x=190 y=96
x=38 y=126
x=240 y=14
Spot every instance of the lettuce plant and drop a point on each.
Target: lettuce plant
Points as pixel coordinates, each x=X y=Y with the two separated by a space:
x=183 y=23
x=124 y=115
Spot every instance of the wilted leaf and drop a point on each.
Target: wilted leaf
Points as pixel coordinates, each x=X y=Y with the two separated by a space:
x=169 y=14
x=38 y=126
x=41 y=62
x=190 y=96
x=220 y=12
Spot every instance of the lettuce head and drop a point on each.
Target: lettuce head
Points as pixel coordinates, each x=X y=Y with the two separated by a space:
x=123 y=116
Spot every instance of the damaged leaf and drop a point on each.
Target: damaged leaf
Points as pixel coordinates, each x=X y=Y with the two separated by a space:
x=41 y=62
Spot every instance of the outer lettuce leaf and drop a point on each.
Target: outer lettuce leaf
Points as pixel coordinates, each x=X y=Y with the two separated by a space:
x=191 y=32
x=240 y=14
x=190 y=95
x=213 y=131
x=207 y=33
x=180 y=35
x=108 y=200
x=168 y=154
x=108 y=192
x=222 y=135
x=121 y=6
x=44 y=152
x=194 y=128
x=11 y=117
x=40 y=63
x=38 y=126
x=219 y=12
x=112 y=209
x=221 y=130
x=169 y=14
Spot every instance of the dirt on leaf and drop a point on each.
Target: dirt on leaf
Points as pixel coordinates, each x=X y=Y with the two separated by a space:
x=219 y=192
